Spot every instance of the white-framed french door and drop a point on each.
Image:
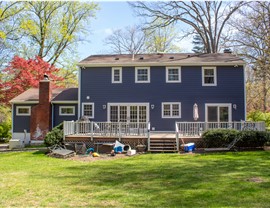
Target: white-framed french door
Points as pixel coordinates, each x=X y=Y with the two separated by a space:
x=128 y=112
x=218 y=112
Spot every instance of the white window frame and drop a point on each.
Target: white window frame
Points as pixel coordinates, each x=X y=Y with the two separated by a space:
x=136 y=75
x=93 y=109
x=215 y=76
x=23 y=114
x=171 y=104
x=128 y=111
x=66 y=114
x=120 y=74
x=167 y=74
x=229 y=105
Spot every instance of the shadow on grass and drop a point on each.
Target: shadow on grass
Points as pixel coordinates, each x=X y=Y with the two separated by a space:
x=173 y=180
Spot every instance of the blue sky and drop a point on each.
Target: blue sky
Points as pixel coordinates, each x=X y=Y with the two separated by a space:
x=112 y=15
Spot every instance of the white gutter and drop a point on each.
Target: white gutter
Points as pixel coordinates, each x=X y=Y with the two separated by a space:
x=240 y=63
x=79 y=94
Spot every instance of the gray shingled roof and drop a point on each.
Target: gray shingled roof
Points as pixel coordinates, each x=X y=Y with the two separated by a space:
x=58 y=94
x=162 y=59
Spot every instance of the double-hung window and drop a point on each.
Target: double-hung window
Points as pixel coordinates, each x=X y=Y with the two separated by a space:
x=116 y=75
x=142 y=75
x=23 y=110
x=209 y=76
x=173 y=74
x=171 y=110
x=88 y=110
x=67 y=110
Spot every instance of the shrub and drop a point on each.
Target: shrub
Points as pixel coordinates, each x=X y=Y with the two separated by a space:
x=55 y=136
x=5 y=133
x=219 y=137
x=251 y=138
x=222 y=137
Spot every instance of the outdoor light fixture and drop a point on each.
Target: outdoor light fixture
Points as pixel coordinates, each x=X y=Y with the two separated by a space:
x=234 y=106
x=88 y=97
x=152 y=106
x=104 y=106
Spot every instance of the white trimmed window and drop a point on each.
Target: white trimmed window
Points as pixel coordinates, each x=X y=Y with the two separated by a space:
x=23 y=110
x=218 y=112
x=67 y=110
x=116 y=75
x=171 y=110
x=173 y=74
x=142 y=75
x=209 y=76
x=88 y=110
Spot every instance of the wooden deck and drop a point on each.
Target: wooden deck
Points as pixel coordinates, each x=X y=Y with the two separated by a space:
x=157 y=141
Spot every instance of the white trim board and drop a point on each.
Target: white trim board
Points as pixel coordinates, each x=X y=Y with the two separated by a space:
x=160 y=64
x=229 y=105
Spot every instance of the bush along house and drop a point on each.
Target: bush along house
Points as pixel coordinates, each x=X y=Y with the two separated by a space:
x=162 y=91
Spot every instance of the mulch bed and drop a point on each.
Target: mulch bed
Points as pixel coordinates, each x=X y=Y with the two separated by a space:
x=87 y=158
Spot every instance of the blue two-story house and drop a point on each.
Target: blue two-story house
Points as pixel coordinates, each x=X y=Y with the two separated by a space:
x=162 y=88
x=156 y=88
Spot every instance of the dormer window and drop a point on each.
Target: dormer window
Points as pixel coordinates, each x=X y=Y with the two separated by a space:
x=116 y=75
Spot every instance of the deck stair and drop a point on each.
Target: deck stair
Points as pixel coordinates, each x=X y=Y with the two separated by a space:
x=163 y=145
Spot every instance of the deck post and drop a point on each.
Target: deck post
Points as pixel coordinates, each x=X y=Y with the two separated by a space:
x=148 y=136
x=119 y=130
x=177 y=136
x=92 y=129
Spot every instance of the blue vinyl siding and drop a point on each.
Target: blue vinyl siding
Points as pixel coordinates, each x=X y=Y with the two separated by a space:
x=59 y=119
x=21 y=122
x=96 y=83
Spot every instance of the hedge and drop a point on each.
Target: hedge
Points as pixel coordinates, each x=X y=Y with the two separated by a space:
x=222 y=137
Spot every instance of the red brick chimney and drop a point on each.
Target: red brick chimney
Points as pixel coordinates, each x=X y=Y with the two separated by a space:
x=41 y=113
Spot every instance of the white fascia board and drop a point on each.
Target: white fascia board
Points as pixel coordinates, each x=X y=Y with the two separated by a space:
x=161 y=64
x=24 y=102
x=65 y=102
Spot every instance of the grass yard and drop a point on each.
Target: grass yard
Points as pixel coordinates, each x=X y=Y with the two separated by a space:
x=31 y=179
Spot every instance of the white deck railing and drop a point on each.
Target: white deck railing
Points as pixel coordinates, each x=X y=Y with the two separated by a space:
x=197 y=128
x=114 y=129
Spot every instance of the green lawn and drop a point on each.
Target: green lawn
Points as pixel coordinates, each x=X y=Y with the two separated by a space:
x=31 y=179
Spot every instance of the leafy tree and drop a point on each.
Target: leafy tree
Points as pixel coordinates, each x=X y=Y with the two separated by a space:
x=24 y=74
x=207 y=18
x=5 y=123
x=161 y=40
x=52 y=28
x=9 y=28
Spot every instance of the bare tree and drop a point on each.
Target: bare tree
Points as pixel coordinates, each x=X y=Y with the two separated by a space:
x=135 y=40
x=252 y=41
x=206 y=18
x=130 y=40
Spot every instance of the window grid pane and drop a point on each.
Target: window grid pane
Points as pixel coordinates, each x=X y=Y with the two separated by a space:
x=209 y=76
x=116 y=75
x=67 y=111
x=175 y=110
x=173 y=75
x=23 y=110
x=167 y=110
x=142 y=75
x=88 y=110
x=114 y=114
